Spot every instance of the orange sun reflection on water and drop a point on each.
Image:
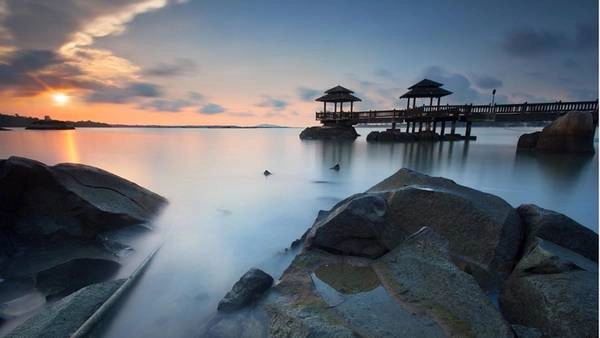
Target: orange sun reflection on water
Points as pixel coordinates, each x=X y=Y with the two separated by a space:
x=70 y=146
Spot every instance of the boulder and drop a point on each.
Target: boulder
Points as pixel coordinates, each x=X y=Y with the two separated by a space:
x=73 y=199
x=570 y=133
x=73 y=275
x=329 y=133
x=453 y=298
x=559 y=229
x=484 y=232
x=251 y=286
x=528 y=141
x=554 y=290
x=64 y=317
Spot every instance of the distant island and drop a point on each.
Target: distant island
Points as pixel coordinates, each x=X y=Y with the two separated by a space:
x=18 y=121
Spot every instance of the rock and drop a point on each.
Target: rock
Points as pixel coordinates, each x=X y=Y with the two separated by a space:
x=570 y=133
x=73 y=199
x=73 y=275
x=242 y=325
x=528 y=141
x=63 y=318
x=335 y=167
x=329 y=133
x=559 y=229
x=452 y=297
x=554 y=290
x=391 y=136
x=526 y=332
x=267 y=173
x=245 y=291
x=484 y=232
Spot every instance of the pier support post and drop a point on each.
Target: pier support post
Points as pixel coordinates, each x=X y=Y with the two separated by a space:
x=434 y=125
x=414 y=124
x=468 y=130
x=420 y=126
x=453 y=127
x=443 y=131
x=407 y=125
x=393 y=125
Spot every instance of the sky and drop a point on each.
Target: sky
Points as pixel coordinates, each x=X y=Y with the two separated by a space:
x=252 y=62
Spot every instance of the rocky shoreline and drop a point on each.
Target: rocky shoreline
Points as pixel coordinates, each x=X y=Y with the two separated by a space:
x=423 y=256
x=65 y=232
x=570 y=133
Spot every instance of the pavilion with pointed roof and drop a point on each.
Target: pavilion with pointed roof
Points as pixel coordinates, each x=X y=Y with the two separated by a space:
x=425 y=89
x=338 y=94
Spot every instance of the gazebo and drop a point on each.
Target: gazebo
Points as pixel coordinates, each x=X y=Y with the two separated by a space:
x=425 y=89
x=338 y=94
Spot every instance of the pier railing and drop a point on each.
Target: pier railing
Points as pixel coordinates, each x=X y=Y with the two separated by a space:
x=505 y=112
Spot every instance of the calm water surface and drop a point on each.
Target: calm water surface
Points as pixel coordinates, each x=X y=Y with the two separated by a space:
x=225 y=216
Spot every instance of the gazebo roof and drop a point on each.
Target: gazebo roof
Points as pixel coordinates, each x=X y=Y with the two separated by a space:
x=426 y=88
x=338 y=94
x=426 y=83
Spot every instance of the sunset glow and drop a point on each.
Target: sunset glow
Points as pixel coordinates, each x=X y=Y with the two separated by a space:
x=60 y=99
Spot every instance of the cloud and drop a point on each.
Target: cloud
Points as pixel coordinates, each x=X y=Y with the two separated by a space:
x=526 y=41
x=178 y=67
x=166 y=105
x=269 y=102
x=461 y=87
x=127 y=94
x=211 y=109
x=488 y=82
x=241 y=114
x=529 y=42
x=307 y=94
x=195 y=96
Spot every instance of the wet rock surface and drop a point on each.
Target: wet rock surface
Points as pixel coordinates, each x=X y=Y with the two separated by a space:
x=329 y=133
x=570 y=133
x=63 y=318
x=421 y=256
x=245 y=291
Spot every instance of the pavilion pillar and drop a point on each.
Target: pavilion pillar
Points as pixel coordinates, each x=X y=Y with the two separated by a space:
x=324 y=106
x=407 y=103
x=438 y=103
x=341 y=107
x=468 y=130
x=431 y=101
x=351 y=106
x=335 y=107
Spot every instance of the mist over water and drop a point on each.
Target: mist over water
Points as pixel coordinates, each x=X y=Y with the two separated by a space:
x=224 y=216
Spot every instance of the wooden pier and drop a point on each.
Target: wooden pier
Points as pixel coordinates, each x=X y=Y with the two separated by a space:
x=429 y=116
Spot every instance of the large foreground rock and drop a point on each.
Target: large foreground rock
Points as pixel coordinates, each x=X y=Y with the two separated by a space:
x=558 y=228
x=329 y=133
x=554 y=290
x=484 y=232
x=74 y=199
x=248 y=289
x=570 y=133
x=64 y=317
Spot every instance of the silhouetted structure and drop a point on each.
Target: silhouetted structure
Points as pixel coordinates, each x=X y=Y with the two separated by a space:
x=425 y=89
x=338 y=94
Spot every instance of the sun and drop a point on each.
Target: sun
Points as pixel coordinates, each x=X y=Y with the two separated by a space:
x=60 y=99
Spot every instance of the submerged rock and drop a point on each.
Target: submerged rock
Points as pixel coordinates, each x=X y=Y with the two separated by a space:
x=73 y=199
x=329 y=133
x=335 y=167
x=267 y=173
x=570 y=133
x=251 y=286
